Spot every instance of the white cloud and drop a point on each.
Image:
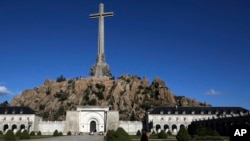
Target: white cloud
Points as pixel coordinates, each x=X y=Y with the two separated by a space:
x=4 y=90
x=213 y=92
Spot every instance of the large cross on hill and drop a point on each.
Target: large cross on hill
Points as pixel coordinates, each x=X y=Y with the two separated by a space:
x=101 y=68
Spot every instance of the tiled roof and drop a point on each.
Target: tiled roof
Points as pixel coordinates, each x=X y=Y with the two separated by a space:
x=198 y=110
x=16 y=110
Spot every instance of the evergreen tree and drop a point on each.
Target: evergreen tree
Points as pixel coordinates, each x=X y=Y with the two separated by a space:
x=182 y=135
x=55 y=133
x=138 y=133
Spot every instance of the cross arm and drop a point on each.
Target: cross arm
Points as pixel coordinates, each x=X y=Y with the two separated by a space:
x=97 y=15
x=106 y=14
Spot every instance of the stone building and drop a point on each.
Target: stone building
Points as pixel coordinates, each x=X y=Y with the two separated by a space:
x=18 y=118
x=171 y=118
x=84 y=120
x=100 y=119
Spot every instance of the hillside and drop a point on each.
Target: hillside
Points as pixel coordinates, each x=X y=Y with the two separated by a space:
x=131 y=95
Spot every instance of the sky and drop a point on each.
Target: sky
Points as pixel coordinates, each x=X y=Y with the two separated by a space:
x=200 y=48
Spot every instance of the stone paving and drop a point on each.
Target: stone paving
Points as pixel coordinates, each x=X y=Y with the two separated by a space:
x=72 y=138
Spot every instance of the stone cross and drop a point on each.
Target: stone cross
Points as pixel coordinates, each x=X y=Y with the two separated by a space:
x=101 y=68
x=101 y=16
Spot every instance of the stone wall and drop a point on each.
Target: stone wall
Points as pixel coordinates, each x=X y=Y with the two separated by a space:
x=72 y=122
x=112 y=120
x=48 y=127
x=131 y=127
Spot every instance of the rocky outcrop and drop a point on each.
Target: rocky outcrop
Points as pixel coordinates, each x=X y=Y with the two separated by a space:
x=131 y=95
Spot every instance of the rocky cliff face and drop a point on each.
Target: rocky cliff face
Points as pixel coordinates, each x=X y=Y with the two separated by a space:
x=131 y=95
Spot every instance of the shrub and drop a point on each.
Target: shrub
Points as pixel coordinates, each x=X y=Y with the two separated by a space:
x=119 y=135
x=32 y=133
x=111 y=135
x=182 y=135
x=61 y=95
x=69 y=133
x=24 y=135
x=138 y=133
x=92 y=102
x=39 y=133
x=122 y=135
x=18 y=133
x=162 y=135
x=55 y=133
x=60 y=134
x=169 y=133
x=9 y=136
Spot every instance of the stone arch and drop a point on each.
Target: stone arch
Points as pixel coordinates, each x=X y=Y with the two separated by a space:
x=93 y=125
x=158 y=128
x=5 y=127
x=22 y=127
x=166 y=127
x=13 y=127
x=174 y=128
x=88 y=118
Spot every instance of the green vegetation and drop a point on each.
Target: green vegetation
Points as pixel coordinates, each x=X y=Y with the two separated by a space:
x=24 y=135
x=9 y=136
x=138 y=133
x=162 y=135
x=99 y=95
x=119 y=135
x=32 y=133
x=183 y=135
x=41 y=106
x=92 y=102
x=39 y=133
x=203 y=131
x=60 y=134
x=61 y=95
x=169 y=133
x=61 y=78
x=55 y=133
x=69 y=133
x=18 y=133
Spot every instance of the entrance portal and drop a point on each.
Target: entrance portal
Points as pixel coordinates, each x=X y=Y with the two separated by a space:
x=92 y=126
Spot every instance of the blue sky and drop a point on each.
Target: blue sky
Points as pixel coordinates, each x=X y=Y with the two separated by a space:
x=200 y=48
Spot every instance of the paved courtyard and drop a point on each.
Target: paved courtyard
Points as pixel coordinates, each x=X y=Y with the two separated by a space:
x=72 y=138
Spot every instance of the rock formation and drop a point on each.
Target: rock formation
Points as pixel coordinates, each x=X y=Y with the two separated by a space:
x=131 y=95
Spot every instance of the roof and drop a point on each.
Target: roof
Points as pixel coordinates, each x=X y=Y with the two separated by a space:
x=197 y=110
x=16 y=110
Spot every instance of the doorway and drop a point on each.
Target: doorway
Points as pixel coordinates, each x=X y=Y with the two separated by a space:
x=92 y=126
